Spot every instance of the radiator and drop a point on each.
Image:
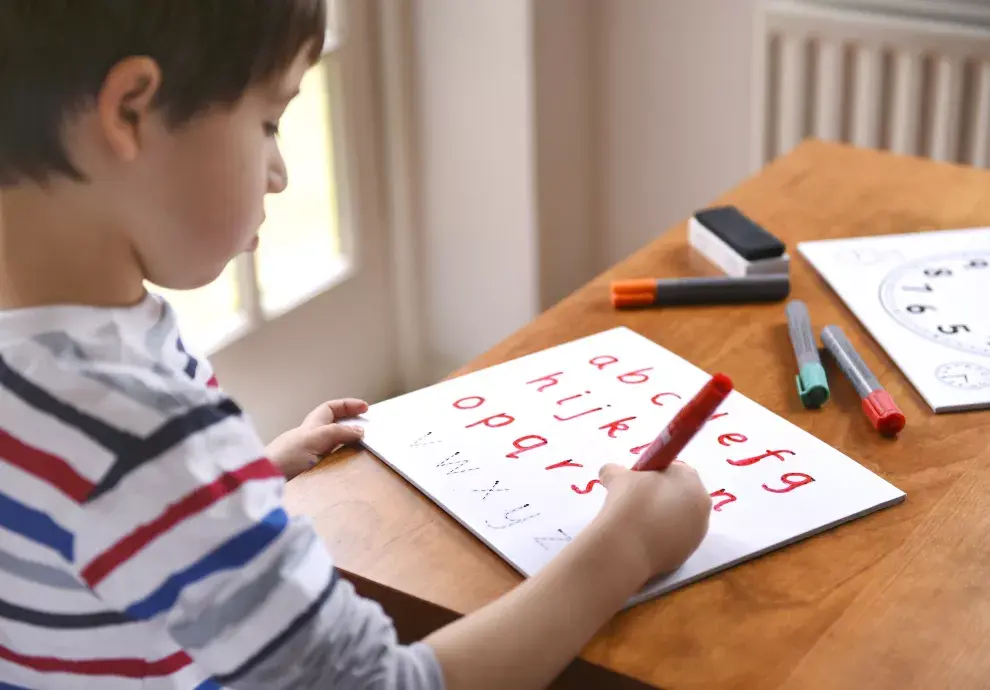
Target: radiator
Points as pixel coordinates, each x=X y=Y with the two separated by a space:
x=908 y=85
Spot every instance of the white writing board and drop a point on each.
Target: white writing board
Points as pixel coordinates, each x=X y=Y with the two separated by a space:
x=513 y=452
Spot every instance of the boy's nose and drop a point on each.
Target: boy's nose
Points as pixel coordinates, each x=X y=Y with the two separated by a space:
x=278 y=177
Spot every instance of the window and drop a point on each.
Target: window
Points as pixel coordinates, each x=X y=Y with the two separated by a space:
x=299 y=252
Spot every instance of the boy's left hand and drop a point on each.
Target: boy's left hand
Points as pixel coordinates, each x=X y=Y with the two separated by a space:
x=298 y=449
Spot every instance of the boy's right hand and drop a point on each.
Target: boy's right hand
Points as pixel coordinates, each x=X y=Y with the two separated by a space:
x=662 y=515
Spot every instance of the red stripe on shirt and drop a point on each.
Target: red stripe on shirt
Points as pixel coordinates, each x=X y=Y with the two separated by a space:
x=129 y=668
x=195 y=502
x=46 y=467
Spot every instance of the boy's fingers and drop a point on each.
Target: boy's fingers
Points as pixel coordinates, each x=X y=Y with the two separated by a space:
x=346 y=407
x=334 y=410
x=324 y=439
x=608 y=472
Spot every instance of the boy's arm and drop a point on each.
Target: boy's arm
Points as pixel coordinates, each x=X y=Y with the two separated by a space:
x=196 y=539
x=526 y=638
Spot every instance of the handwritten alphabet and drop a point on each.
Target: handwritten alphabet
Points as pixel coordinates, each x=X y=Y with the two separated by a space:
x=725 y=496
x=790 y=483
x=489 y=491
x=656 y=398
x=571 y=409
x=726 y=439
x=549 y=379
x=756 y=458
x=617 y=426
x=634 y=377
x=424 y=440
x=526 y=443
x=603 y=361
x=455 y=464
x=587 y=489
x=495 y=421
x=565 y=463
x=512 y=521
x=514 y=454
x=579 y=414
x=564 y=537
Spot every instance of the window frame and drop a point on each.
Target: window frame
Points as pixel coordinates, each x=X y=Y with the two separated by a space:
x=338 y=50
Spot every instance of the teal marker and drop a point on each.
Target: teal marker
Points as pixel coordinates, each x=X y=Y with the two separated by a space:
x=812 y=383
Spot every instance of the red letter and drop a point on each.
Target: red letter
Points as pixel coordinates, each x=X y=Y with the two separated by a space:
x=587 y=489
x=487 y=421
x=580 y=414
x=521 y=448
x=603 y=361
x=639 y=449
x=573 y=397
x=728 y=498
x=717 y=415
x=656 y=401
x=756 y=458
x=465 y=406
x=566 y=463
x=726 y=439
x=551 y=380
x=617 y=426
x=791 y=484
x=635 y=376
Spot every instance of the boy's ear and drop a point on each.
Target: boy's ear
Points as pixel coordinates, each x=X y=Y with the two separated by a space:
x=125 y=103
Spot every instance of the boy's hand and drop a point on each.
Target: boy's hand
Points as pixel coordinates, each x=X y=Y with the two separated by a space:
x=298 y=449
x=662 y=514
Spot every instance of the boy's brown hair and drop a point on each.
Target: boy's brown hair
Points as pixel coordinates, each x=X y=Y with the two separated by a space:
x=55 y=55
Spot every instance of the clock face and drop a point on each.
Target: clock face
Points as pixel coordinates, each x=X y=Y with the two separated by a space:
x=964 y=375
x=943 y=298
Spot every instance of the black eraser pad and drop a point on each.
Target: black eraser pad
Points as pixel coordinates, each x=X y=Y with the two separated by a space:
x=744 y=236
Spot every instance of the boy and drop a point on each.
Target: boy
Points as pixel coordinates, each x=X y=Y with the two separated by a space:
x=142 y=540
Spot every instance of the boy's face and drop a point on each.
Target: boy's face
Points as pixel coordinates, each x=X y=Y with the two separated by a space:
x=193 y=197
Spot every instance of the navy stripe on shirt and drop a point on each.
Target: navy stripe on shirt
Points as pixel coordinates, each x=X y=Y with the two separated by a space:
x=111 y=438
x=131 y=451
x=171 y=434
x=43 y=619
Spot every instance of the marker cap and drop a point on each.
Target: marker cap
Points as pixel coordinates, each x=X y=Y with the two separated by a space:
x=883 y=413
x=812 y=385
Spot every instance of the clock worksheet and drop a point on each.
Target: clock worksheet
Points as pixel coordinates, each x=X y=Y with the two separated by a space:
x=925 y=298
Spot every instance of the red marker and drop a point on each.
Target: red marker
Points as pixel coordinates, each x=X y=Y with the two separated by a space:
x=685 y=424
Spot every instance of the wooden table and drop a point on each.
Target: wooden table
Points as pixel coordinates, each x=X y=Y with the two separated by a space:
x=898 y=599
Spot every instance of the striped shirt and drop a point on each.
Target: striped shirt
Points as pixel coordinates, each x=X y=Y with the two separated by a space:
x=143 y=542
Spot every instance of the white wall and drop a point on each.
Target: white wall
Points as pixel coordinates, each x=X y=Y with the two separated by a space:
x=554 y=137
x=677 y=109
x=565 y=55
x=474 y=110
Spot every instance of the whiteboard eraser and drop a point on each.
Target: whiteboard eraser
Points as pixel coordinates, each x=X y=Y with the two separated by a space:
x=735 y=243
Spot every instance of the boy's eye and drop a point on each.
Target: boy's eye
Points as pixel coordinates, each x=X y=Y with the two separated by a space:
x=271 y=129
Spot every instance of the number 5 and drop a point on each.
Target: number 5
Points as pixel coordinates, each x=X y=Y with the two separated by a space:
x=952 y=330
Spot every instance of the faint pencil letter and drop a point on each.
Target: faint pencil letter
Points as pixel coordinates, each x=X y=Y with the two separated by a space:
x=563 y=537
x=488 y=492
x=424 y=440
x=511 y=521
x=455 y=465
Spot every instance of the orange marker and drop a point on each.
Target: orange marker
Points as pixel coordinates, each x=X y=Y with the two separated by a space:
x=646 y=292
